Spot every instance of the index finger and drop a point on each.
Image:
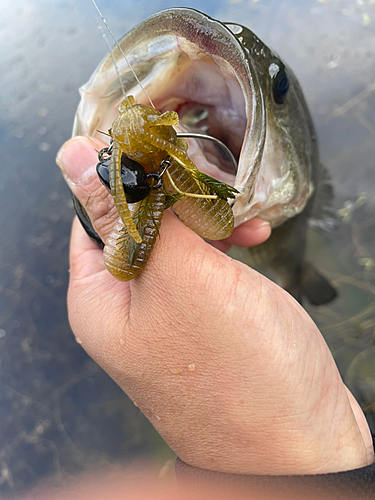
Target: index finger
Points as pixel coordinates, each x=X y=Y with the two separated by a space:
x=251 y=233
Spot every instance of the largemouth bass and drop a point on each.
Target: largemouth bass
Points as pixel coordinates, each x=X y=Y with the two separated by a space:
x=222 y=80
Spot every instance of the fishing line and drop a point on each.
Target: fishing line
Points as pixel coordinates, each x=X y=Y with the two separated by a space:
x=114 y=62
x=192 y=135
x=122 y=52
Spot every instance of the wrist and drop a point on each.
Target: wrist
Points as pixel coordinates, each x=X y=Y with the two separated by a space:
x=326 y=438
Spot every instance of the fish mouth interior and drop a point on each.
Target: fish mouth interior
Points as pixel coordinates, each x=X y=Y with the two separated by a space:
x=203 y=70
x=194 y=65
x=207 y=80
x=206 y=95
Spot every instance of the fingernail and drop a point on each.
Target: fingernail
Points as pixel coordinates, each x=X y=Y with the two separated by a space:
x=77 y=158
x=60 y=155
x=261 y=224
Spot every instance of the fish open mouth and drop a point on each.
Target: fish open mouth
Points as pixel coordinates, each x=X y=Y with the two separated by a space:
x=208 y=102
x=190 y=63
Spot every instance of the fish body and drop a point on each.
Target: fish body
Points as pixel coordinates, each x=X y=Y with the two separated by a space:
x=223 y=81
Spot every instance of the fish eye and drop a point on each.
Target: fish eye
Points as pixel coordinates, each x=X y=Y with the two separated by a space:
x=280 y=86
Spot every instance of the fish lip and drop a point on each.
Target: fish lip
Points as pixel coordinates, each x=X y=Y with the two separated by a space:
x=204 y=31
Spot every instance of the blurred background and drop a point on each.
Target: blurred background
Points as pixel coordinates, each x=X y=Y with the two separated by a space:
x=60 y=414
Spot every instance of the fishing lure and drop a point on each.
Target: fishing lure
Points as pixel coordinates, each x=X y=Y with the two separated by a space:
x=147 y=136
x=144 y=148
x=205 y=209
x=211 y=219
x=134 y=179
x=123 y=257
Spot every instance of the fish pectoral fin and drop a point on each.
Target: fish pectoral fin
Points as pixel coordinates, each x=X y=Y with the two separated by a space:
x=323 y=216
x=315 y=287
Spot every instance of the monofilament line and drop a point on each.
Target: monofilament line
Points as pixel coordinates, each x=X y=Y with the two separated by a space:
x=114 y=62
x=122 y=52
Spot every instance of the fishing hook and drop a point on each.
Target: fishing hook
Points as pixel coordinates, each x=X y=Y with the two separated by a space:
x=221 y=145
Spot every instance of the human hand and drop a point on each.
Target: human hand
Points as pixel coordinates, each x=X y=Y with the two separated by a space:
x=230 y=370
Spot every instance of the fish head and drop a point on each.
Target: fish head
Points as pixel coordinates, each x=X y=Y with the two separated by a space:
x=284 y=181
x=221 y=80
